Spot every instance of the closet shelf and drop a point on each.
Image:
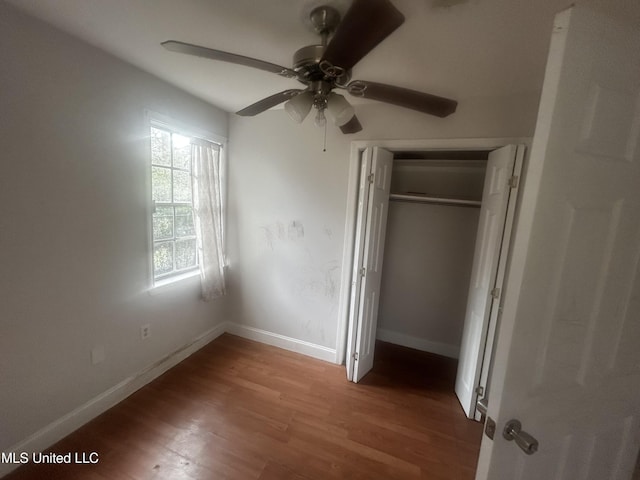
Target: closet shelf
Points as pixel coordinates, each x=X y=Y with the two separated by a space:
x=418 y=198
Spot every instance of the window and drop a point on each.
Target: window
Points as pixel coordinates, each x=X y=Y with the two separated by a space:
x=187 y=223
x=174 y=235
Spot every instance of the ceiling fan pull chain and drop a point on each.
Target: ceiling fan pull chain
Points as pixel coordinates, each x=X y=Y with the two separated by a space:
x=324 y=147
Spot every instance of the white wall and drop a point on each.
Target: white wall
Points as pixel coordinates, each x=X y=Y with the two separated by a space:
x=429 y=254
x=428 y=257
x=278 y=175
x=73 y=225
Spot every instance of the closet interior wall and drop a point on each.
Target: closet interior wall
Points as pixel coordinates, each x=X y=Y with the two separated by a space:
x=429 y=249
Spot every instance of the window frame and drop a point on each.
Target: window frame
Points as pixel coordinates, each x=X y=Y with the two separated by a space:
x=173 y=205
x=162 y=122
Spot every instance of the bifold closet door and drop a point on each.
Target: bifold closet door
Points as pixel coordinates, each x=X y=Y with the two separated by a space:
x=373 y=207
x=482 y=297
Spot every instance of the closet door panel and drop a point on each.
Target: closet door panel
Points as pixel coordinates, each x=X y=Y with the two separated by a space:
x=358 y=255
x=495 y=200
x=371 y=266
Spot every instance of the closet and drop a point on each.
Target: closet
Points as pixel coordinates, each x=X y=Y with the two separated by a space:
x=431 y=230
x=430 y=242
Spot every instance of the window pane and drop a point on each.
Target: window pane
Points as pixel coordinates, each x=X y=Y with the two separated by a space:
x=181 y=186
x=162 y=258
x=160 y=147
x=185 y=254
x=181 y=152
x=161 y=184
x=163 y=223
x=184 y=222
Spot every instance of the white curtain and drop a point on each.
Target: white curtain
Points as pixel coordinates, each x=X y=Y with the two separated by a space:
x=207 y=206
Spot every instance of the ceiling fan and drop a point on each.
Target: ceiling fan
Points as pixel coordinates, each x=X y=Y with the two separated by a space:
x=327 y=66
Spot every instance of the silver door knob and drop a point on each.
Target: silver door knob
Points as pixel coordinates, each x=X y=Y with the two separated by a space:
x=513 y=431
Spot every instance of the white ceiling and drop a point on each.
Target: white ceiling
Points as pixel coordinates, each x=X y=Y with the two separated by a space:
x=454 y=48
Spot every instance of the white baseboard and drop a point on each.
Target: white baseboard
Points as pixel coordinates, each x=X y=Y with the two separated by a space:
x=444 y=349
x=281 y=341
x=60 y=428
x=73 y=420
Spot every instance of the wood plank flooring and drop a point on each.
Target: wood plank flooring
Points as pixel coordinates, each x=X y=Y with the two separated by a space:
x=241 y=410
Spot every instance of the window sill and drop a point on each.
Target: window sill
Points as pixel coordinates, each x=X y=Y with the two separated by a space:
x=185 y=279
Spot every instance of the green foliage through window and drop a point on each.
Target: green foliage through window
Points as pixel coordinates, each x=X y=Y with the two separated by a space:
x=174 y=238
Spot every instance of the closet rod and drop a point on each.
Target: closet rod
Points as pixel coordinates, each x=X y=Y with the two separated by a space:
x=399 y=197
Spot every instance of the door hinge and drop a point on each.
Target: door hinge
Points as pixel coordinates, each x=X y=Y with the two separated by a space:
x=370 y=177
x=355 y=356
x=495 y=293
x=513 y=181
x=363 y=271
x=480 y=390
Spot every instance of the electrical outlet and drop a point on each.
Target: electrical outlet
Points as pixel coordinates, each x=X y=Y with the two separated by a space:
x=145 y=331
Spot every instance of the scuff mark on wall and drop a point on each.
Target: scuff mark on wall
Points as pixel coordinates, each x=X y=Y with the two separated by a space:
x=330 y=281
x=300 y=276
x=319 y=282
x=268 y=235
x=277 y=231
x=296 y=230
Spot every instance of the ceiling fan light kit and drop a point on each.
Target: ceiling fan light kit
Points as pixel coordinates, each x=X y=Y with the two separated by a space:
x=327 y=66
x=340 y=110
x=299 y=106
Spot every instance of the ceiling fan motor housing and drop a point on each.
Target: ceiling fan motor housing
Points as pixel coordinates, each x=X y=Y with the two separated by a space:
x=307 y=56
x=307 y=61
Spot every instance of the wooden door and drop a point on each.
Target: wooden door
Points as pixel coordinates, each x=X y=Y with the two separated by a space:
x=567 y=362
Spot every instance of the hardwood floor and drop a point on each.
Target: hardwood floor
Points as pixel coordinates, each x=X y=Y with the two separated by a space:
x=242 y=410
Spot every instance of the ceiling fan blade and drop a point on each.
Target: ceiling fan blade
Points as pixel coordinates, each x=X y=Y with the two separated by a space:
x=364 y=26
x=352 y=126
x=198 y=51
x=403 y=97
x=267 y=103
